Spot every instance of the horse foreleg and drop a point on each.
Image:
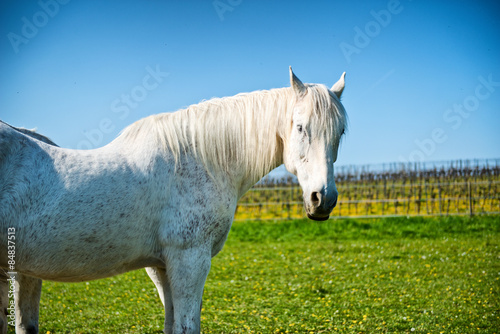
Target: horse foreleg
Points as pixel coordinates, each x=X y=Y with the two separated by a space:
x=187 y=270
x=28 y=291
x=160 y=279
x=4 y=301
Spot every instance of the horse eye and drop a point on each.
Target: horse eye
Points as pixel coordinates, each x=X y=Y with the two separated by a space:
x=299 y=128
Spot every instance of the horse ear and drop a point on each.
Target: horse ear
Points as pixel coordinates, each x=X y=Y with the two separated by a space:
x=338 y=87
x=297 y=85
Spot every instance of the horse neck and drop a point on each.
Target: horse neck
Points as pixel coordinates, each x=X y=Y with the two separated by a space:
x=238 y=139
x=267 y=118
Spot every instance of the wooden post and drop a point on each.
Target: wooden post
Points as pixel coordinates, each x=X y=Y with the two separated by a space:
x=426 y=196
x=439 y=193
x=469 y=190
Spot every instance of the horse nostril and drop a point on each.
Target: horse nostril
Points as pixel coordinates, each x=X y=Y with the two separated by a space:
x=316 y=198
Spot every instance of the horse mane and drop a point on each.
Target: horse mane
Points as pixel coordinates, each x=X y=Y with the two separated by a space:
x=244 y=129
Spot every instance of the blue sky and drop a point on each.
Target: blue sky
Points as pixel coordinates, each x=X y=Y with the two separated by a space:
x=423 y=77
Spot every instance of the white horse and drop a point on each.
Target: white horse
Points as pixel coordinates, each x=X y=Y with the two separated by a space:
x=162 y=195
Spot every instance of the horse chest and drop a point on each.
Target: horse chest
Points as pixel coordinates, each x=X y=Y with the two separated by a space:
x=201 y=216
x=202 y=225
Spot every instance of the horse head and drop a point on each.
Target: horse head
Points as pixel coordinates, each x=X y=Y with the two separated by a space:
x=318 y=122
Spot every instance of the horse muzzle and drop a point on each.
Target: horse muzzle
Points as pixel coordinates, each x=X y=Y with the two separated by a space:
x=319 y=206
x=318 y=218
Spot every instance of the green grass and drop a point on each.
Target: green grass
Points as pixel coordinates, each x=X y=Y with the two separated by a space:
x=393 y=275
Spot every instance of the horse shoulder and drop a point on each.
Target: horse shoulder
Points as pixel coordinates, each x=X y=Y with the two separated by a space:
x=200 y=209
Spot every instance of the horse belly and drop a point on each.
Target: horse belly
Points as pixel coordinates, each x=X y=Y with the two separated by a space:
x=85 y=247
x=80 y=260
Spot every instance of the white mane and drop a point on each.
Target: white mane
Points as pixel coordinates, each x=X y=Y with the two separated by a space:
x=248 y=129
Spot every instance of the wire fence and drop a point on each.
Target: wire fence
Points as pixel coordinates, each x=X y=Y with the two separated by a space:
x=461 y=187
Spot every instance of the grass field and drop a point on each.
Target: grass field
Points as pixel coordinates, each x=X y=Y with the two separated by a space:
x=397 y=275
